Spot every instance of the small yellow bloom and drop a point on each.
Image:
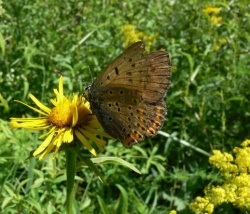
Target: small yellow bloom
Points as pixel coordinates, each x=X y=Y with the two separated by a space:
x=70 y=119
x=131 y=35
x=224 y=162
x=209 y=10
x=236 y=187
x=230 y=190
x=216 y=195
x=219 y=44
x=246 y=143
x=202 y=205
x=243 y=200
x=215 y=20
x=243 y=159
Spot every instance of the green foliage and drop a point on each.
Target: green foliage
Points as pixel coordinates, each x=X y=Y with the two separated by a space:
x=208 y=102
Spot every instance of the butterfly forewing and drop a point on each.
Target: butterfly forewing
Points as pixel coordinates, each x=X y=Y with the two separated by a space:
x=120 y=64
x=128 y=97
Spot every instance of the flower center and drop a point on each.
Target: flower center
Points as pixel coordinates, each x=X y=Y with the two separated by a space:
x=62 y=114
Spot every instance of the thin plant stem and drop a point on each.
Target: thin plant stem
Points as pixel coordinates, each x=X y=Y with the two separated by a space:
x=70 y=171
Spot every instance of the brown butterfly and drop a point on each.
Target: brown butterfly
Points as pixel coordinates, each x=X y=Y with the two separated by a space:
x=128 y=96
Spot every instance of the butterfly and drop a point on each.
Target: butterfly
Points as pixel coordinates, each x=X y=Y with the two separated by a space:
x=128 y=96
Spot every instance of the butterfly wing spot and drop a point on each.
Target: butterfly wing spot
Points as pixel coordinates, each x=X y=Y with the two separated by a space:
x=157 y=125
x=138 y=135
x=121 y=92
x=150 y=132
x=143 y=128
x=130 y=60
x=141 y=112
x=141 y=137
x=133 y=65
x=118 y=109
x=132 y=139
x=129 y=119
x=108 y=77
x=109 y=105
x=110 y=92
x=116 y=71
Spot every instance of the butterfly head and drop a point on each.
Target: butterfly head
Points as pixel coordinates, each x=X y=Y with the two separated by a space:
x=86 y=92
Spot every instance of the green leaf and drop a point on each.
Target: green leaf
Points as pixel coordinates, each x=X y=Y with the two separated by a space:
x=115 y=160
x=92 y=166
x=123 y=200
x=103 y=206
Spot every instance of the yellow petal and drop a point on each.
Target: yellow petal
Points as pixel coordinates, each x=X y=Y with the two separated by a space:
x=85 y=142
x=75 y=116
x=68 y=136
x=98 y=132
x=47 y=151
x=39 y=104
x=100 y=143
x=43 y=146
x=34 y=109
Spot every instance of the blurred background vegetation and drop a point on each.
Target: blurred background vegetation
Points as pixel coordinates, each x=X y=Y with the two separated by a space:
x=208 y=101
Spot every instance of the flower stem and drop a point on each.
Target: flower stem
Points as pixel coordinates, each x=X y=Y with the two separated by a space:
x=70 y=171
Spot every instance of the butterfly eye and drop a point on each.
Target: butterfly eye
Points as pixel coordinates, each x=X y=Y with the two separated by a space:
x=87 y=88
x=86 y=92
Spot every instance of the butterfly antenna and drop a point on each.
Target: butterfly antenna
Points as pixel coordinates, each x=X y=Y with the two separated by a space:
x=63 y=74
x=67 y=75
x=79 y=79
x=92 y=79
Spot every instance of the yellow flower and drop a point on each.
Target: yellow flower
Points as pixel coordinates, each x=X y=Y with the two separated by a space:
x=211 y=10
x=224 y=162
x=69 y=119
x=216 y=195
x=230 y=190
x=236 y=187
x=215 y=20
x=243 y=158
x=246 y=143
x=202 y=205
x=219 y=44
x=131 y=36
x=244 y=199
